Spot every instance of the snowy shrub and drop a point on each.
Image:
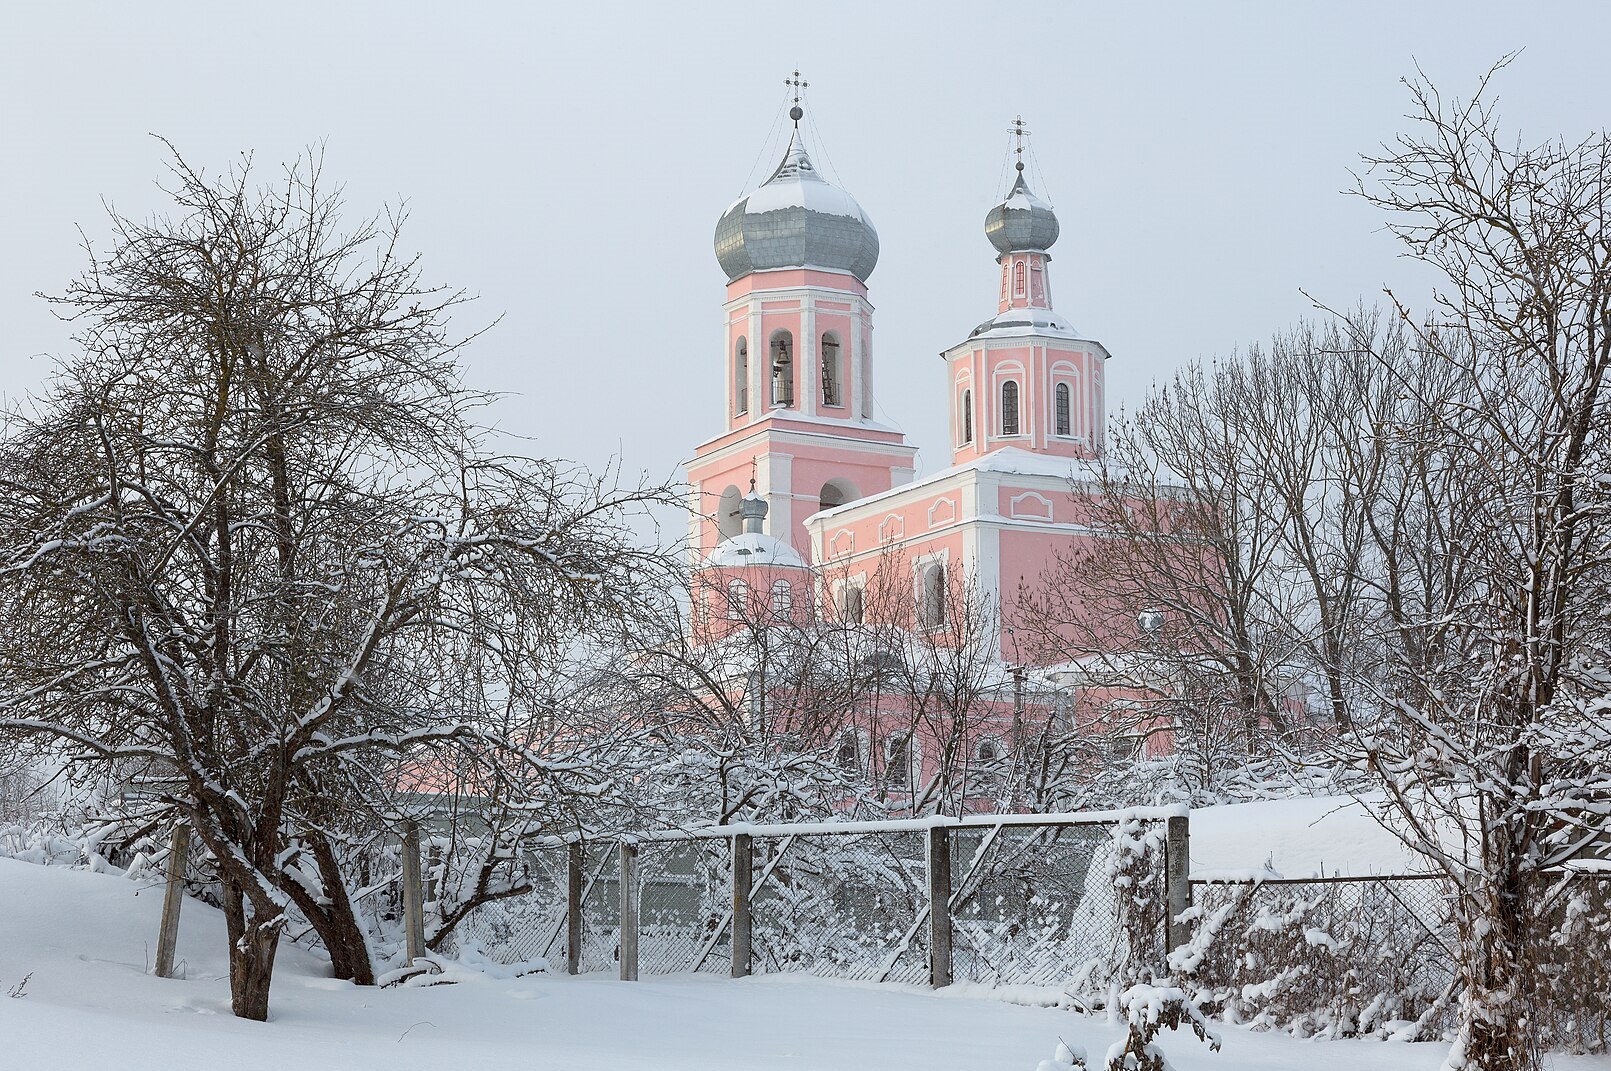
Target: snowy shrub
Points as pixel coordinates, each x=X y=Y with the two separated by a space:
x=1323 y=958
x=1065 y=1058
x=1149 y=1009
x=1378 y=958
x=1136 y=869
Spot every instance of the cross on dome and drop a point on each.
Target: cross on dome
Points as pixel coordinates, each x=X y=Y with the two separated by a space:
x=1019 y=132
x=796 y=113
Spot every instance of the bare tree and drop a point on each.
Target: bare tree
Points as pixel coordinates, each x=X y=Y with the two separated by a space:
x=252 y=543
x=1494 y=538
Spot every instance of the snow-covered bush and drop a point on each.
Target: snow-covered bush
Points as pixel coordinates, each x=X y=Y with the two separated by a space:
x=1323 y=958
x=1149 y=1009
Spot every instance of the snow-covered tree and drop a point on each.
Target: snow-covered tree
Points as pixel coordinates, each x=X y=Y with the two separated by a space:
x=254 y=552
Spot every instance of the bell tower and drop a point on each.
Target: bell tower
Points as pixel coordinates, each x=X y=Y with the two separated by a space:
x=1026 y=379
x=797 y=358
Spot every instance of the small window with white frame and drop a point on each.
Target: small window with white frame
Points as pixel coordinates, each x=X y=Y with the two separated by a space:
x=782 y=598
x=1009 y=408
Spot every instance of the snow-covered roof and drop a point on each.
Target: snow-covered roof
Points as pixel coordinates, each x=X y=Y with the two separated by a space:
x=754 y=548
x=1027 y=322
x=1008 y=460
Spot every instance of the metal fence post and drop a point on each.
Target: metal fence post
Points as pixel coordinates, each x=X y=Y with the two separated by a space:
x=413 y=899
x=172 y=899
x=1177 y=881
x=743 y=876
x=939 y=867
x=629 y=912
x=573 y=908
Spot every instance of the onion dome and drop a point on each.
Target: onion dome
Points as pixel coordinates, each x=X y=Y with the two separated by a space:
x=796 y=219
x=1023 y=222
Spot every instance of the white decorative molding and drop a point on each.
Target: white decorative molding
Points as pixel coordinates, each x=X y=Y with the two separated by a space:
x=1030 y=506
x=842 y=544
x=943 y=511
x=893 y=528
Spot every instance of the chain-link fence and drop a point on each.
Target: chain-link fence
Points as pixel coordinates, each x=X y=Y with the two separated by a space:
x=1070 y=901
x=1379 y=955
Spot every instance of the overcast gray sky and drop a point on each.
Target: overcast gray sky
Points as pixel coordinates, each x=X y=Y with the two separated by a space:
x=568 y=164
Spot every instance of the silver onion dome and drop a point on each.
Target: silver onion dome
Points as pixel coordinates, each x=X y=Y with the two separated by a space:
x=1021 y=223
x=796 y=219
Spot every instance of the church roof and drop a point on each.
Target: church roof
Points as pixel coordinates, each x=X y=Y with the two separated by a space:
x=1009 y=460
x=1023 y=222
x=796 y=219
x=754 y=548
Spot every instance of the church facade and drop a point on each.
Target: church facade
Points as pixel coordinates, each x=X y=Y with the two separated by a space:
x=841 y=500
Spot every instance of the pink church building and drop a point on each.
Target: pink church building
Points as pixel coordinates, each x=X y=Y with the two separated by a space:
x=840 y=499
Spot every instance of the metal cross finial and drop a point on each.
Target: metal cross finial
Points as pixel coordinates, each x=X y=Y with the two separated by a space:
x=798 y=83
x=1019 y=132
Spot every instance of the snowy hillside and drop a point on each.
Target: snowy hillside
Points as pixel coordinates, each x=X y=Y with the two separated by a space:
x=84 y=941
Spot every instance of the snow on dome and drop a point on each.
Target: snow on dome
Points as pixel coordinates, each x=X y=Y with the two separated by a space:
x=796 y=219
x=754 y=548
x=1021 y=223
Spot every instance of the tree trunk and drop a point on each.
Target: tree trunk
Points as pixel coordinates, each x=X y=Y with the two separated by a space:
x=336 y=921
x=1496 y=1032
x=252 y=944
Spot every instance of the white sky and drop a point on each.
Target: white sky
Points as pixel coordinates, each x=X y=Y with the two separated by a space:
x=568 y=163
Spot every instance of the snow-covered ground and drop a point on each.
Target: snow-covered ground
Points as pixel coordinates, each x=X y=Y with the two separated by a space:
x=86 y=940
x=1297 y=838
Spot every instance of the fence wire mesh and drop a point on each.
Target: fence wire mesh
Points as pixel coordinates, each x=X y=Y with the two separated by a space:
x=517 y=929
x=1359 y=955
x=843 y=906
x=684 y=908
x=1035 y=905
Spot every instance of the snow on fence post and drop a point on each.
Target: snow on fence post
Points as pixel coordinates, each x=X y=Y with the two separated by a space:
x=743 y=861
x=172 y=899
x=574 y=857
x=413 y=898
x=629 y=912
x=1177 y=881
x=939 y=867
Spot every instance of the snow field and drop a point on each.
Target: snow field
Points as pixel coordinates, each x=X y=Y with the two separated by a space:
x=86 y=941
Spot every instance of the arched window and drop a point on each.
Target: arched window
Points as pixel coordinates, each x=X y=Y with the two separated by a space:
x=847 y=756
x=783 y=369
x=782 y=598
x=850 y=603
x=741 y=378
x=836 y=492
x=1018 y=278
x=832 y=391
x=729 y=521
x=990 y=755
x=931 y=595
x=1060 y=405
x=898 y=760
x=738 y=594
x=1009 y=407
x=967 y=416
